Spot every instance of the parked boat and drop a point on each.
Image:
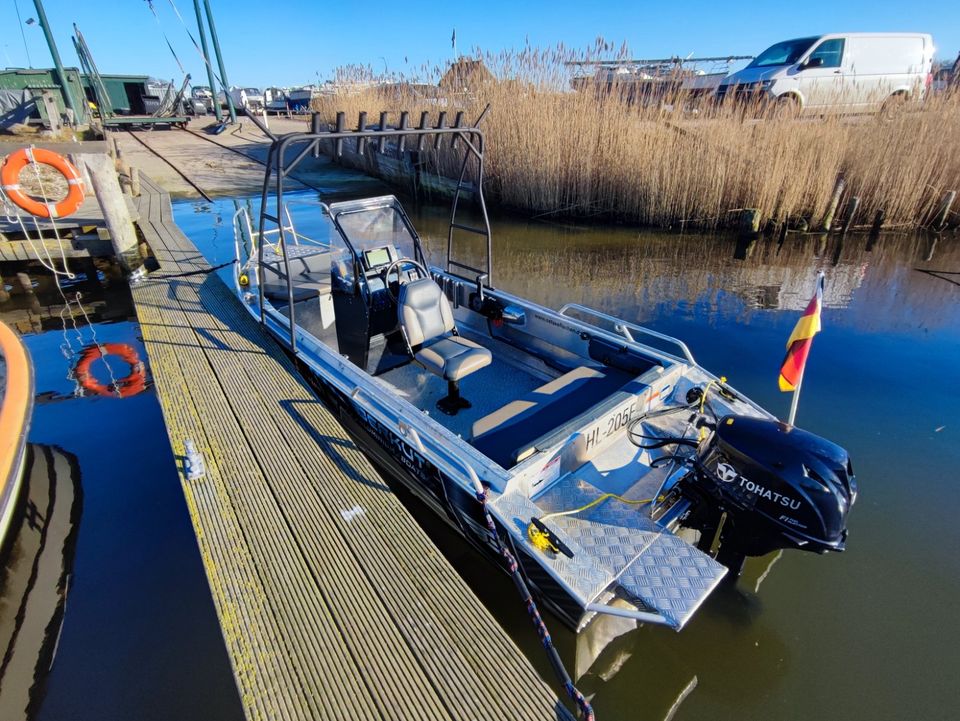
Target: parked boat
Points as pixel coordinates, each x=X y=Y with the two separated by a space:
x=247 y=100
x=299 y=99
x=16 y=409
x=626 y=478
x=203 y=95
x=275 y=100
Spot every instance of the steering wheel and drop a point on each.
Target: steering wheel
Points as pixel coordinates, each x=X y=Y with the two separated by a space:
x=397 y=265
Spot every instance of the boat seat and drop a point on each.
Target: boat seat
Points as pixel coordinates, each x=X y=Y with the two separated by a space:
x=510 y=433
x=310 y=275
x=426 y=320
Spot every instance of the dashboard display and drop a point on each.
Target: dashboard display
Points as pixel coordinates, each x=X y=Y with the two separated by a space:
x=376 y=257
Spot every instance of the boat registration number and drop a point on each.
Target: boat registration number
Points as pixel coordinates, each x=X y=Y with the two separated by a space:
x=607 y=426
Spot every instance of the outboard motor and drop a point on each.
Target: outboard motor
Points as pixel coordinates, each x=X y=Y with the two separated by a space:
x=765 y=485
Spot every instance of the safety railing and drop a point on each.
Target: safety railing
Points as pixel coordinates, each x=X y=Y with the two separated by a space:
x=627 y=330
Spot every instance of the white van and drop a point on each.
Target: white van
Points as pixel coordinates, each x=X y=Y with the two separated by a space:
x=837 y=73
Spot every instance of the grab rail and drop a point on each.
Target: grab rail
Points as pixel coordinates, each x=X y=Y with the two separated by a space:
x=623 y=328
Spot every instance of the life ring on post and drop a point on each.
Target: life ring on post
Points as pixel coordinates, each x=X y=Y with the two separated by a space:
x=10 y=181
x=131 y=384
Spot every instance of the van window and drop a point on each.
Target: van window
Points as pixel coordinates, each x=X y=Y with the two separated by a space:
x=786 y=53
x=830 y=51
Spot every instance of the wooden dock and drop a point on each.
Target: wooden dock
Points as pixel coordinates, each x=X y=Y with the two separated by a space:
x=334 y=604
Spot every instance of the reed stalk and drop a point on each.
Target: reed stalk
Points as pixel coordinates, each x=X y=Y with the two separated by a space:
x=558 y=152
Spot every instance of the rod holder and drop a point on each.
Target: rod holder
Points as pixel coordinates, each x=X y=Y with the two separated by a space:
x=441 y=124
x=361 y=127
x=424 y=117
x=341 y=127
x=315 y=127
x=382 y=141
x=404 y=125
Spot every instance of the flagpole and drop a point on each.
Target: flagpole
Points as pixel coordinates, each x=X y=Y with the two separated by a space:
x=795 y=401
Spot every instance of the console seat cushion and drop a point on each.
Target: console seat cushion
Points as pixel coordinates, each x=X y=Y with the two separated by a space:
x=503 y=434
x=310 y=274
x=453 y=357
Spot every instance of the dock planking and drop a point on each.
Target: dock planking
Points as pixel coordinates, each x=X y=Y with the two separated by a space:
x=326 y=614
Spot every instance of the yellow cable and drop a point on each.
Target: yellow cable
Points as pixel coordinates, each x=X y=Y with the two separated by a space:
x=541 y=541
x=703 y=402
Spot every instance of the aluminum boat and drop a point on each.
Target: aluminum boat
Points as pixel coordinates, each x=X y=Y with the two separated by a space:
x=627 y=479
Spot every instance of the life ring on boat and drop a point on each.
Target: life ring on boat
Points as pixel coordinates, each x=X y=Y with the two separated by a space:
x=130 y=385
x=10 y=181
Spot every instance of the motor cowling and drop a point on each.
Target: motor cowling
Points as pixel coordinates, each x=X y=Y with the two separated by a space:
x=780 y=487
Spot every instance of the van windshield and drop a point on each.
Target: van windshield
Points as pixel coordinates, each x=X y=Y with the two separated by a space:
x=786 y=53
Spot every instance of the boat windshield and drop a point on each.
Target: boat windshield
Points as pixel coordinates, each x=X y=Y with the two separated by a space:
x=786 y=53
x=369 y=225
x=252 y=91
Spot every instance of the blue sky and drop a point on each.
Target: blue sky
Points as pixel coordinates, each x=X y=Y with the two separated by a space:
x=288 y=42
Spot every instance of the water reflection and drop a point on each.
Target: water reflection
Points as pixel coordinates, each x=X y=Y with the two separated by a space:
x=35 y=577
x=615 y=269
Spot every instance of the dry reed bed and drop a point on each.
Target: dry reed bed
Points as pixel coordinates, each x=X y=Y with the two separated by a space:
x=552 y=151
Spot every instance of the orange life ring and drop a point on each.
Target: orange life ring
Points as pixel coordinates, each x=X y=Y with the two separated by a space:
x=131 y=384
x=10 y=181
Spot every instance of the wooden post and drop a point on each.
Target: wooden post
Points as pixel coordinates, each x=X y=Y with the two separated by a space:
x=749 y=222
x=135 y=181
x=114 y=207
x=943 y=211
x=852 y=207
x=832 y=206
x=877 y=224
x=76 y=160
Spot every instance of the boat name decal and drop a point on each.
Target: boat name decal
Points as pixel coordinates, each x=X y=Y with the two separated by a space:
x=553 y=322
x=403 y=452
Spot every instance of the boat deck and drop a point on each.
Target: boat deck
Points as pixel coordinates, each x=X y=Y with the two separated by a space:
x=334 y=604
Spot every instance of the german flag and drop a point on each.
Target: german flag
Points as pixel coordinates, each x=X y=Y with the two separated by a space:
x=798 y=347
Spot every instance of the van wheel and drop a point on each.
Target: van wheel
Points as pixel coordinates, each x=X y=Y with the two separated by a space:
x=893 y=107
x=787 y=107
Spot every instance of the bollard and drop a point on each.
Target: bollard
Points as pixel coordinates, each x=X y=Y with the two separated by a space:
x=852 y=207
x=832 y=206
x=943 y=211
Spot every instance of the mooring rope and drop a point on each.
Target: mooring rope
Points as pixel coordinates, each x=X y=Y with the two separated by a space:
x=516 y=573
x=202 y=271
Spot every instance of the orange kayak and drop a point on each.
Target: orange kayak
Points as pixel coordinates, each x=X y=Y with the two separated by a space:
x=16 y=407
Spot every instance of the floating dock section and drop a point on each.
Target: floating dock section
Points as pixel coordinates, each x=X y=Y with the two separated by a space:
x=334 y=604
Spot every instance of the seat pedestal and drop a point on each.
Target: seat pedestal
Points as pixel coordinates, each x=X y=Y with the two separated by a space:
x=453 y=401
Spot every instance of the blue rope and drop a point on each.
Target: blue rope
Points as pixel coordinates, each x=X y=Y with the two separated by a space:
x=583 y=706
